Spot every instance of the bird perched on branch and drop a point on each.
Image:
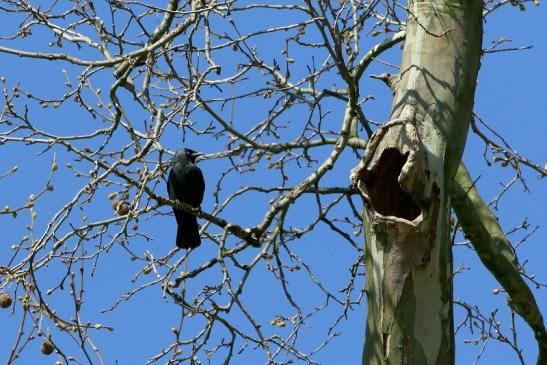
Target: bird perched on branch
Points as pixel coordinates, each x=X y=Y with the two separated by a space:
x=186 y=185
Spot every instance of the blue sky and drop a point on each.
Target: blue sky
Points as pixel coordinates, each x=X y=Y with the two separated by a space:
x=513 y=104
x=510 y=98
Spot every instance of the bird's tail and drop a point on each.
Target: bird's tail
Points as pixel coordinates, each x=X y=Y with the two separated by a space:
x=188 y=231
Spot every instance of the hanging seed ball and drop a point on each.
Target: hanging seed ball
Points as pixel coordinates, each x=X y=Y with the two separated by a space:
x=46 y=348
x=5 y=300
x=121 y=207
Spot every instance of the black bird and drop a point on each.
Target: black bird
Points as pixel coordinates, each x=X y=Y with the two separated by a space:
x=186 y=184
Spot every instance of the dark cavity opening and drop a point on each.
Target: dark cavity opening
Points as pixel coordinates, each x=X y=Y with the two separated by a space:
x=386 y=195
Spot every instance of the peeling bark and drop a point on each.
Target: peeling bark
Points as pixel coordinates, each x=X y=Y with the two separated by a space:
x=404 y=178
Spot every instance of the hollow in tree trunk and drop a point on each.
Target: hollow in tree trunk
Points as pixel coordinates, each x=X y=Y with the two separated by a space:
x=404 y=178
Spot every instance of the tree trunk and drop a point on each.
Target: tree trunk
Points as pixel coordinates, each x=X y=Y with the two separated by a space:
x=405 y=177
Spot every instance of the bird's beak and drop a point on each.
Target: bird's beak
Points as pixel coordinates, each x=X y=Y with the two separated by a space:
x=196 y=155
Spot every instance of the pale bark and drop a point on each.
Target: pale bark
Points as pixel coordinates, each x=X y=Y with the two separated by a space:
x=483 y=230
x=405 y=178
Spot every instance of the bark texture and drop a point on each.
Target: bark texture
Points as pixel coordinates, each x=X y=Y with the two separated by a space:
x=405 y=177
